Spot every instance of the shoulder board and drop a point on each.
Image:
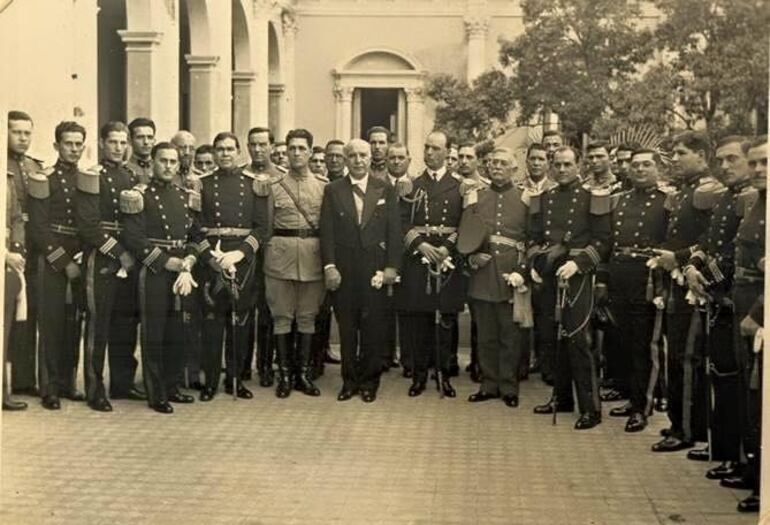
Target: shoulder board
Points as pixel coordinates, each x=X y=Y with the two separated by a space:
x=36 y=161
x=246 y=171
x=533 y=201
x=88 y=181
x=457 y=176
x=666 y=189
x=320 y=177
x=707 y=194
x=203 y=174
x=527 y=195
x=132 y=201
x=601 y=201
x=404 y=186
x=141 y=187
x=193 y=200
x=37 y=185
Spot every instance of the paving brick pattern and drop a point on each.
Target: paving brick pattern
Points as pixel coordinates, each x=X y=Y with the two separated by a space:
x=315 y=460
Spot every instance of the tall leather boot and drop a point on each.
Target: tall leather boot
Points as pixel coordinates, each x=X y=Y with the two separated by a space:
x=284 y=368
x=264 y=355
x=303 y=383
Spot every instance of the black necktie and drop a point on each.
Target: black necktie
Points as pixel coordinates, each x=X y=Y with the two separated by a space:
x=358 y=191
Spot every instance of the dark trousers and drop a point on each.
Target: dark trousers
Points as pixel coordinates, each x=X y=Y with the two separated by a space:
x=632 y=359
x=12 y=289
x=362 y=343
x=59 y=311
x=725 y=384
x=162 y=335
x=686 y=395
x=110 y=320
x=499 y=347
x=405 y=352
x=216 y=325
x=544 y=331
x=22 y=349
x=576 y=360
x=193 y=331
x=427 y=352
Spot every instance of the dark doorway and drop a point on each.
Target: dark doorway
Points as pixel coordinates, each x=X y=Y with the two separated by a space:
x=111 y=61
x=379 y=107
x=184 y=69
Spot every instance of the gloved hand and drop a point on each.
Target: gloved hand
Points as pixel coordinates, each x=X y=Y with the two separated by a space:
x=126 y=261
x=72 y=271
x=333 y=278
x=514 y=279
x=666 y=259
x=479 y=260
x=567 y=270
x=695 y=280
x=15 y=261
x=230 y=259
x=184 y=284
x=389 y=276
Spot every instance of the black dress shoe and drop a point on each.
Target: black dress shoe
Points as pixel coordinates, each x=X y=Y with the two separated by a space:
x=417 y=388
x=100 y=405
x=266 y=379
x=725 y=470
x=240 y=391
x=407 y=373
x=133 y=394
x=665 y=432
x=621 y=411
x=749 y=504
x=699 y=454
x=368 y=396
x=613 y=395
x=178 y=397
x=164 y=407
x=481 y=396
x=736 y=482
x=547 y=408
x=636 y=422
x=671 y=444
x=447 y=388
x=588 y=420
x=207 y=394
x=51 y=403
x=197 y=385
x=12 y=405
x=75 y=395
x=345 y=394
x=511 y=400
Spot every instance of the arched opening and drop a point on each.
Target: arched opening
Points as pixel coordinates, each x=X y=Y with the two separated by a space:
x=111 y=61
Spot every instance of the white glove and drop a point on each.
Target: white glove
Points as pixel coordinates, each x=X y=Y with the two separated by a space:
x=184 y=284
x=659 y=303
x=535 y=276
x=230 y=259
x=759 y=340
x=377 y=279
x=567 y=270
x=514 y=279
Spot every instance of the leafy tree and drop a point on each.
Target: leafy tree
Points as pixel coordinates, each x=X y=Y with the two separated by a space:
x=472 y=112
x=571 y=57
x=720 y=59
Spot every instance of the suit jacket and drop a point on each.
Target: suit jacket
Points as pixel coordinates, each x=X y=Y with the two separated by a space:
x=360 y=250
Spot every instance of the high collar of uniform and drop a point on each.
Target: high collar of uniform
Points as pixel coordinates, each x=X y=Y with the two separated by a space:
x=66 y=166
x=142 y=163
x=502 y=188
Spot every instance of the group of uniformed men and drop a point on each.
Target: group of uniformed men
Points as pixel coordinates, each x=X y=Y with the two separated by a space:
x=651 y=272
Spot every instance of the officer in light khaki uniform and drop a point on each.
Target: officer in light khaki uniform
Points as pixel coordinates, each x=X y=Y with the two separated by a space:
x=294 y=284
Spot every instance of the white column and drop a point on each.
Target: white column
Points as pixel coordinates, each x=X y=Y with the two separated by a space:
x=476 y=30
x=401 y=123
x=243 y=86
x=343 y=97
x=275 y=109
x=288 y=64
x=201 y=92
x=140 y=48
x=415 y=135
x=261 y=66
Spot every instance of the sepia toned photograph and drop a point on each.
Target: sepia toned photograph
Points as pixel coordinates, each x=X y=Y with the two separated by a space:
x=405 y=262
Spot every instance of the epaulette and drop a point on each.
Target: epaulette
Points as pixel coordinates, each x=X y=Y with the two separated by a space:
x=457 y=176
x=527 y=195
x=322 y=178
x=534 y=202
x=262 y=183
x=707 y=194
x=204 y=174
x=467 y=185
x=193 y=200
x=404 y=186
x=36 y=161
x=250 y=174
x=601 y=200
x=88 y=181
x=745 y=200
x=666 y=189
x=132 y=201
x=37 y=184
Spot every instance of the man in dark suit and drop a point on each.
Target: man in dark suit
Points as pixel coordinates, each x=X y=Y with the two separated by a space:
x=361 y=249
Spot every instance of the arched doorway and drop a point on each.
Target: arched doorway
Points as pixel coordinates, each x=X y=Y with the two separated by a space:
x=381 y=87
x=111 y=61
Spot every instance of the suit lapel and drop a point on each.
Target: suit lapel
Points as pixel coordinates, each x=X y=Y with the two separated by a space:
x=373 y=192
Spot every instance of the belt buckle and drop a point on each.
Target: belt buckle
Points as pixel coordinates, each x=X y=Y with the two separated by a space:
x=302 y=234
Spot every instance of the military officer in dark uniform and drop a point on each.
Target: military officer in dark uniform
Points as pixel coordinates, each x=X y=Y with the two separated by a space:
x=360 y=240
x=709 y=274
x=142 y=135
x=109 y=277
x=570 y=229
x=496 y=282
x=379 y=139
x=690 y=210
x=433 y=288
x=163 y=235
x=234 y=227
x=636 y=292
x=14 y=297
x=748 y=300
x=54 y=236
x=22 y=352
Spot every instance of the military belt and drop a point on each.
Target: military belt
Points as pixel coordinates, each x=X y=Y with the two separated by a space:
x=748 y=275
x=302 y=233
x=63 y=229
x=507 y=241
x=435 y=230
x=226 y=232
x=632 y=252
x=168 y=244
x=113 y=226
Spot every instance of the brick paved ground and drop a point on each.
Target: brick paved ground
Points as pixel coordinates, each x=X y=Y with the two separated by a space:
x=305 y=460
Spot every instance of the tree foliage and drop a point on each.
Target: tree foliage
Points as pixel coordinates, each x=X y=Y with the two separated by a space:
x=472 y=112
